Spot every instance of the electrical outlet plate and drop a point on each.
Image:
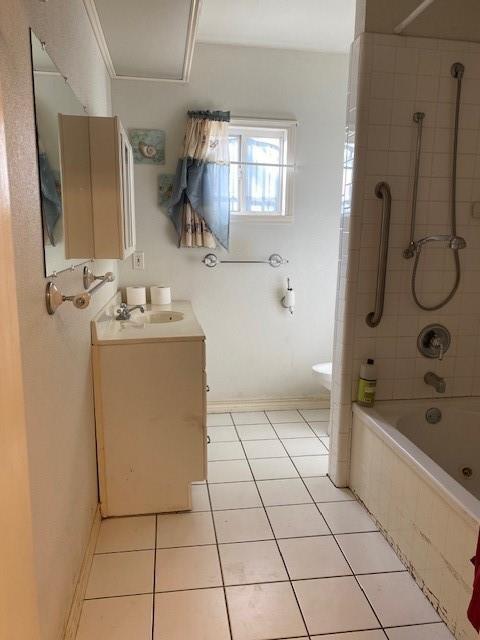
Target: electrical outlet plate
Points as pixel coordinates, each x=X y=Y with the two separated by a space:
x=138 y=259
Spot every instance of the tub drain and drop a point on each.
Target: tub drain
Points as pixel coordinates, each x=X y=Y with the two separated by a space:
x=433 y=415
x=467 y=472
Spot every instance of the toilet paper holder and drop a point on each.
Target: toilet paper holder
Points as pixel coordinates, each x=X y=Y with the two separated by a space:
x=288 y=300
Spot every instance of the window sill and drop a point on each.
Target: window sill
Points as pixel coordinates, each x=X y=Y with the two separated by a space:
x=254 y=218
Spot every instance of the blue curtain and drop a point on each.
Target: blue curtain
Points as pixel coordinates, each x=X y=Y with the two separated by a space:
x=200 y=203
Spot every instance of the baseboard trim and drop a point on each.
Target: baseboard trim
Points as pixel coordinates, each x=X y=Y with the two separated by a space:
x=81 y=587
x=271 y=404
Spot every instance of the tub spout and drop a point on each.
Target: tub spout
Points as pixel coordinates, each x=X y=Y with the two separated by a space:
x=435 y=381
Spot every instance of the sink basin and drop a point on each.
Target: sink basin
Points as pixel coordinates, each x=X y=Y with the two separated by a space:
x=163 y=316
x=156 y=317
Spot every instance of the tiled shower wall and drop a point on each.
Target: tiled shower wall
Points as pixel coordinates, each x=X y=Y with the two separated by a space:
x=391 y=77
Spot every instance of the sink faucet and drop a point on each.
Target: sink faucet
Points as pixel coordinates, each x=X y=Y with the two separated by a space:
x=124 y=311
x=435 y=381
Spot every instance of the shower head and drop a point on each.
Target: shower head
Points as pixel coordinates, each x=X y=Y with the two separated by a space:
x=454 y=242
x=457 y=70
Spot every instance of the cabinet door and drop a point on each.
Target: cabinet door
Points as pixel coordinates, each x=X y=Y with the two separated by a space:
x=149 y=413
x=98 y=187
x=128 y=199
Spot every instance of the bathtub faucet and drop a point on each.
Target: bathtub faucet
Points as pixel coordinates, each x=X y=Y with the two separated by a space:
x=435 y=381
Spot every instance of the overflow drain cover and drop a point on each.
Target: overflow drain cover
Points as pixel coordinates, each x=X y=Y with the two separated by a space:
x=433 y=415
x=467 y=472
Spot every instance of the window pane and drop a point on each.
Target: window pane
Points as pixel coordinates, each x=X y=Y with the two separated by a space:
x=263 y=184
x=264 y=149
x=234 y=187
x=234 y=153
x=234 y=148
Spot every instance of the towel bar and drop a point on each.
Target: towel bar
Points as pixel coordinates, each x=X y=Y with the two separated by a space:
x=275 y=260
x=54 y=297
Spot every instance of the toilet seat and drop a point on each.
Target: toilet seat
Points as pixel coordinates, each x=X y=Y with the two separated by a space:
x=324 y=372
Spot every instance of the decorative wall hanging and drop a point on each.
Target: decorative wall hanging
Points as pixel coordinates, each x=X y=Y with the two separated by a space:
x=165 y=188
x=148 y=145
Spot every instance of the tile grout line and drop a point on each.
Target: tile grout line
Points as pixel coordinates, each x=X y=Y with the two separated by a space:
x=303 y=455
x=218 y=554
x=340 y=549
x=154 y=577
x=252 y=584
x=354 y=575
x=275 y=539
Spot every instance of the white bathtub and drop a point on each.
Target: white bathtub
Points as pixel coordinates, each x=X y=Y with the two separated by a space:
x=415 y=479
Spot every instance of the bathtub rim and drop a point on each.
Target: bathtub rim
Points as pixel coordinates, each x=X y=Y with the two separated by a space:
x=454 y=493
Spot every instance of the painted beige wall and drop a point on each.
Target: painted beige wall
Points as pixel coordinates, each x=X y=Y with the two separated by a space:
x=55 y=350
x=255 y=349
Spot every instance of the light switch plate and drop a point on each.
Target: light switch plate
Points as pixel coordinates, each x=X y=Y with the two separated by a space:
x=138 y=260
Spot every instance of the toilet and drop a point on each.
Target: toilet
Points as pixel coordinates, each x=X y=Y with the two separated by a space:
x=324 y=372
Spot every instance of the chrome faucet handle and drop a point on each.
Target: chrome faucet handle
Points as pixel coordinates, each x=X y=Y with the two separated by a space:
x=440 y=351
x=433 y=341
x=124 y=311
x=437 y=344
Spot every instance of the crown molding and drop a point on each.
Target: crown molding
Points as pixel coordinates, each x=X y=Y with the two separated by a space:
x=92 y=14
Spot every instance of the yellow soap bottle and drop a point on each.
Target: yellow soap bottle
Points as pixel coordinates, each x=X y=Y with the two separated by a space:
x=367 y=383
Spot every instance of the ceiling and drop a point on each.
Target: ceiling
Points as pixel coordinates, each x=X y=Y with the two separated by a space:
x=442 y=19
x=147 y=39
x=313 y=25
x=154 y=39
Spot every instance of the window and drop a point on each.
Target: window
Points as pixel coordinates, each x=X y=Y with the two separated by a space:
x=261 y=169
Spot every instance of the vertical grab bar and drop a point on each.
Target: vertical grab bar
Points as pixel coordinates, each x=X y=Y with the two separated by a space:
x=418 y=118
x=382 y=191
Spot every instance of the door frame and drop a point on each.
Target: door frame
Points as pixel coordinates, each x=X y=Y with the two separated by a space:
x=18 y=590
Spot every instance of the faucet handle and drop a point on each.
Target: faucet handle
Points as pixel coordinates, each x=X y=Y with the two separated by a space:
x=437 y=343
x=440 y=351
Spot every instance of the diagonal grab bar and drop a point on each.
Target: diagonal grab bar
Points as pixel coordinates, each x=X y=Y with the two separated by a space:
x=382 y=191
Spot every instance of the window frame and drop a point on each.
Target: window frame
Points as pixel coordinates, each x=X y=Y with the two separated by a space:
x=288 y=128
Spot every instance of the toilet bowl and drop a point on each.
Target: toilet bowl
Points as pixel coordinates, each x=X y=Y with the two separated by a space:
x=324 y=372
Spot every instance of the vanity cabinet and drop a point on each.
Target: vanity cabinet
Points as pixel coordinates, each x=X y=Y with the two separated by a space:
x=150 y=412
x=97 y=187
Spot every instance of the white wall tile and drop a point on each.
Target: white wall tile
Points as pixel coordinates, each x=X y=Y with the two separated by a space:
x=401 y=75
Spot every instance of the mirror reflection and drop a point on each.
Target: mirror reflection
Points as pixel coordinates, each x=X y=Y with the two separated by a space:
x=53 y=96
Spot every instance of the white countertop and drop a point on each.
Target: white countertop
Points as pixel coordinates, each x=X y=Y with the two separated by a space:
x=106 y=330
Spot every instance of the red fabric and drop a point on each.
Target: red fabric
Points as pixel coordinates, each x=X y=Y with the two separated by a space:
x=474 y=607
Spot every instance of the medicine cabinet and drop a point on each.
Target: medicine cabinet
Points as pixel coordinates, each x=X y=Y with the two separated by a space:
x=97 y=187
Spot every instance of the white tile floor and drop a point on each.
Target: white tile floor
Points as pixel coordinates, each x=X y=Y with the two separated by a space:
x=271 y=550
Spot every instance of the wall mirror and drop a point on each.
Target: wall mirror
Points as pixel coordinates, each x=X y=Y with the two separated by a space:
x=52 y=96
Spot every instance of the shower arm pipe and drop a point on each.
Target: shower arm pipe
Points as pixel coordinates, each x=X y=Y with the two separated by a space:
x=423 y=6
x=418 y=118
x=382 y=191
